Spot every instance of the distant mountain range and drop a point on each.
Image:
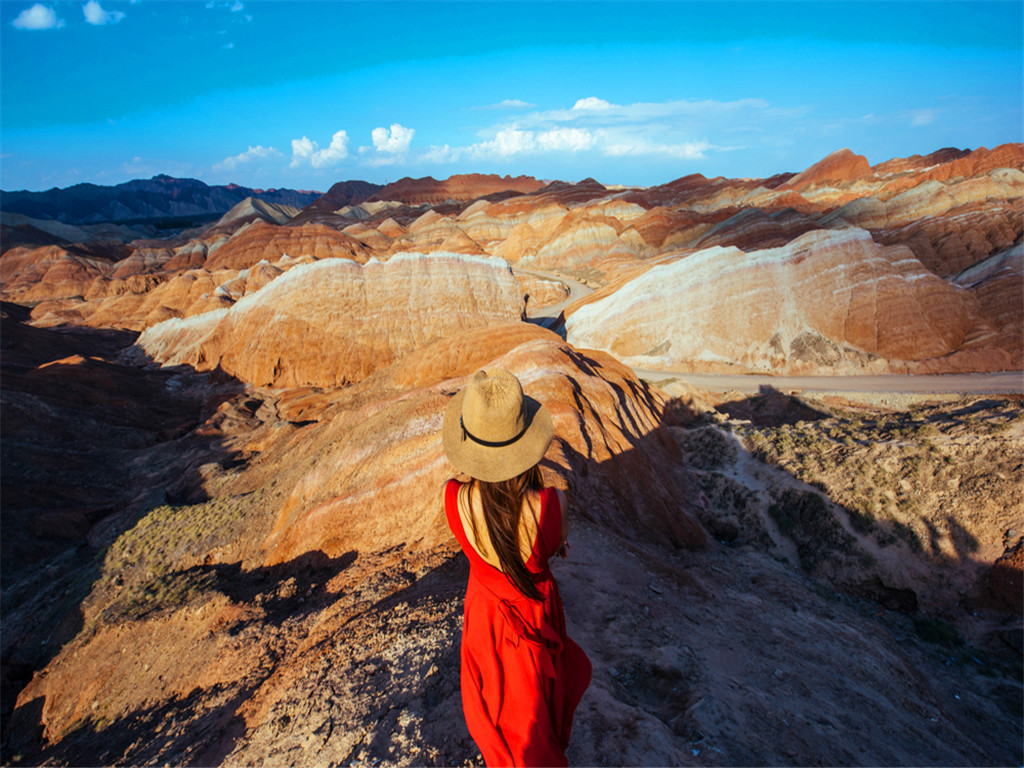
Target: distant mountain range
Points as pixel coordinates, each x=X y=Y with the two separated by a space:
x=156 y=198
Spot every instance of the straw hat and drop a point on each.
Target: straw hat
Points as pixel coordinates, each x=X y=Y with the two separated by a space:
x=492 y=431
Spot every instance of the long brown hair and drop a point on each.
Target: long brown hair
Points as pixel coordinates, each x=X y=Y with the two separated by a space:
x=502 y=504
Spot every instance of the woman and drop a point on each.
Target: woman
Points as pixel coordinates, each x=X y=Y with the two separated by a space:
x=522 y=676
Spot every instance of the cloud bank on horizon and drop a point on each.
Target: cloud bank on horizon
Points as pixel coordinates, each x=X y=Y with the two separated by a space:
x=303 y=94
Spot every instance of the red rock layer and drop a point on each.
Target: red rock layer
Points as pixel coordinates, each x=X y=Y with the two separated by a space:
x=839 y=167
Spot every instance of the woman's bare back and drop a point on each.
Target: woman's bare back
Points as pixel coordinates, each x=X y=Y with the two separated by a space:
x=472 y=514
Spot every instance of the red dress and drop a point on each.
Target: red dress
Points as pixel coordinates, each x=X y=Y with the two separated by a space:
x=522 y=676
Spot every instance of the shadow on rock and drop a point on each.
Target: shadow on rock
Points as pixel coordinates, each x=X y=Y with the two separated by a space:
x=771 y=408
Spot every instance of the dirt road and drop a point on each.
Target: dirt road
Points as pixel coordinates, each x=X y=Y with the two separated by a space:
x=1003 y=382
x=548 y=316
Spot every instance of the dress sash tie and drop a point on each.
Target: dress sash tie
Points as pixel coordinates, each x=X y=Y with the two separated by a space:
x=545 y=639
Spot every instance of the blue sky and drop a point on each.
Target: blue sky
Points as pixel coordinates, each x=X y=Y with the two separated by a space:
x=304 y=94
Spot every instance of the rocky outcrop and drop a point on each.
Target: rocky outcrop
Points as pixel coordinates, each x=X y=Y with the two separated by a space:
x=342 y=194
x=828 y=302
x=254 y=209
x=949 y=163
x=609 y=445
x=334 y=321
x=998 y=284
x=31 y=275
x=838 y=168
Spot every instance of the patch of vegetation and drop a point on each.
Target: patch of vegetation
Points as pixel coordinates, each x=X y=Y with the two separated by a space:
x=706 y=447
x=166 y=593
x=882 y=467
x=805 y=518
x=153 y=566
x=169 y=536
x=733 y=513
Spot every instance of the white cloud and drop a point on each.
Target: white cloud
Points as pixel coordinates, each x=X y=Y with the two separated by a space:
x=228 y=46
x=592 y=102
x=673 y=130
x=306 y=151
x=393 y=141
x=514 y=141
x=444 y=154
x=302 y=150
x=238 y=6
x=566 y=140
x=39 y=16
x=689 y=150
x=506 y=143
x=259 y=152
x=94 y=14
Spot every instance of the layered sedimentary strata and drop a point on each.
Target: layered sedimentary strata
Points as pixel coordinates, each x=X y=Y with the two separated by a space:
x=827 y=302
x=998 y=284
x=262 y=241
x=30 y=275
x=254 y=209
x=335 y=321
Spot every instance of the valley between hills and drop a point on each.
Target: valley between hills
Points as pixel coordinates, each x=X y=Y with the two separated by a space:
x=222 y=533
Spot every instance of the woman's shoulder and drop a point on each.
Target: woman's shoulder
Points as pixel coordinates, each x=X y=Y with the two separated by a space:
x=451 y=495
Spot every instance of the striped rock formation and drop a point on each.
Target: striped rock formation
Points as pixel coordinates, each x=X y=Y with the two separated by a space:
x=333 y=322
x=828 y=302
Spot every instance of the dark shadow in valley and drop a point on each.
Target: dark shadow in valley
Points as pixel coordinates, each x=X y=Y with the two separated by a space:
x=199 y=728
x=555 y=324
x=89 y=444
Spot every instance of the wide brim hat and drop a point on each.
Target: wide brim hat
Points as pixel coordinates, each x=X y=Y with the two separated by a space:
x=492 y=431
